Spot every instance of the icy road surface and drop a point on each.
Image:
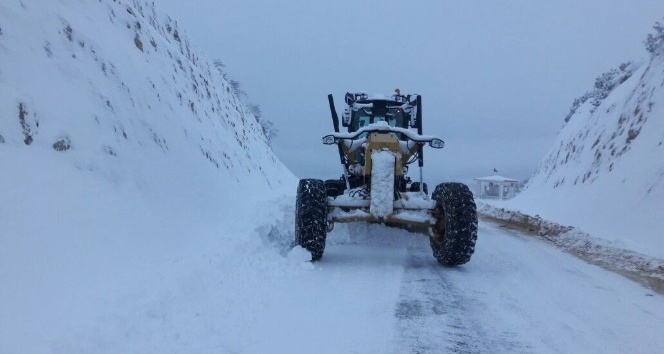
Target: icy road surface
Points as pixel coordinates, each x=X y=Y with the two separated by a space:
x=385 y=293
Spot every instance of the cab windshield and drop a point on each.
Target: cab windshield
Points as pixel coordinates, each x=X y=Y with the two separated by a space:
x=364 y=116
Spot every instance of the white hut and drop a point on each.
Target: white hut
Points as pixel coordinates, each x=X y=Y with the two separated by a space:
x=496 y=186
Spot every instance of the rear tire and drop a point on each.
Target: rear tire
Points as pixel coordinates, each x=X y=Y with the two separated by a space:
x=311 y=216
x=455 y=232
x=333 y=188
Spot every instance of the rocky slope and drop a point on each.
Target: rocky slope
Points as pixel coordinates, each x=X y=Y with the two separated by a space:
x=605 y=172
x=127 y=166
x=102 y=83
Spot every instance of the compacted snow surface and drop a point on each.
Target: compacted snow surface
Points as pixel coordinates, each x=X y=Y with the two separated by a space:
x=235 y=287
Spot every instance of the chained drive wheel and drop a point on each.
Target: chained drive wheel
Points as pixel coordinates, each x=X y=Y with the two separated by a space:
x=455 y=232
x=311 y=216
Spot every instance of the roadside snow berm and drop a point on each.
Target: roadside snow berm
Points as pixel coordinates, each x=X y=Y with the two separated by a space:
x=384 y=138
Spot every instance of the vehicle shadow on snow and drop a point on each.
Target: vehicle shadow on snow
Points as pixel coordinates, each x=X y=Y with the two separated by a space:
x=361 y=233
x=369 y=244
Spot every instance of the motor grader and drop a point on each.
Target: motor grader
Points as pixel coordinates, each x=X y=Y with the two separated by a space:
x=383 y=141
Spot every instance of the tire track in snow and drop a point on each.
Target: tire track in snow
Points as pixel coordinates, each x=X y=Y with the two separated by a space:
x=435 y=316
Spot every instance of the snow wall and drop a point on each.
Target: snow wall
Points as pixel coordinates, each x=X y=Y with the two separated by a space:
x=605 y=172
x=130 y=176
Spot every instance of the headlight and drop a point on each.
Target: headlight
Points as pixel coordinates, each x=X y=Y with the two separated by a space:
x=437 y=144
x=329 y=140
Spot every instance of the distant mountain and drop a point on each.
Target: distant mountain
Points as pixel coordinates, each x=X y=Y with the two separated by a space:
x=605 y=172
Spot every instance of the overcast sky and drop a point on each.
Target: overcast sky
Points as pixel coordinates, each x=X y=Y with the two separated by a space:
x=497 y=77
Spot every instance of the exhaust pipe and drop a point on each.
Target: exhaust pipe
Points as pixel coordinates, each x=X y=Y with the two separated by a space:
x=335 y=123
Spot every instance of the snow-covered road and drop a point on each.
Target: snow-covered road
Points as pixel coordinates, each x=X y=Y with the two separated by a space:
x=379 y=290
x=376 y=290
x=522 y=295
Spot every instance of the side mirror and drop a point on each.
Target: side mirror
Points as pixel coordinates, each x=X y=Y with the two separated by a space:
x=349 y=98
x=345 y=119
x=329 y=140
x=437 y=143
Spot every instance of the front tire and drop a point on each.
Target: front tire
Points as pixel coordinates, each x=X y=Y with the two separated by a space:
x=455 y=232
x=311 y=216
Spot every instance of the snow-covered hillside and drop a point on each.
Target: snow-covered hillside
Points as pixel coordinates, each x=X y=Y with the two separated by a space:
x=605 y=173
x=102 y=83
x=124 y=156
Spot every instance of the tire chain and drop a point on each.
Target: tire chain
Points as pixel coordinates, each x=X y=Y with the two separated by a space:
x=311 y=216
x=457 y=244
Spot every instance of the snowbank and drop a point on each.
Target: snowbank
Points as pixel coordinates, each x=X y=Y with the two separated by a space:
x=642 y=268
x=605 y=172
x=134 y=186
